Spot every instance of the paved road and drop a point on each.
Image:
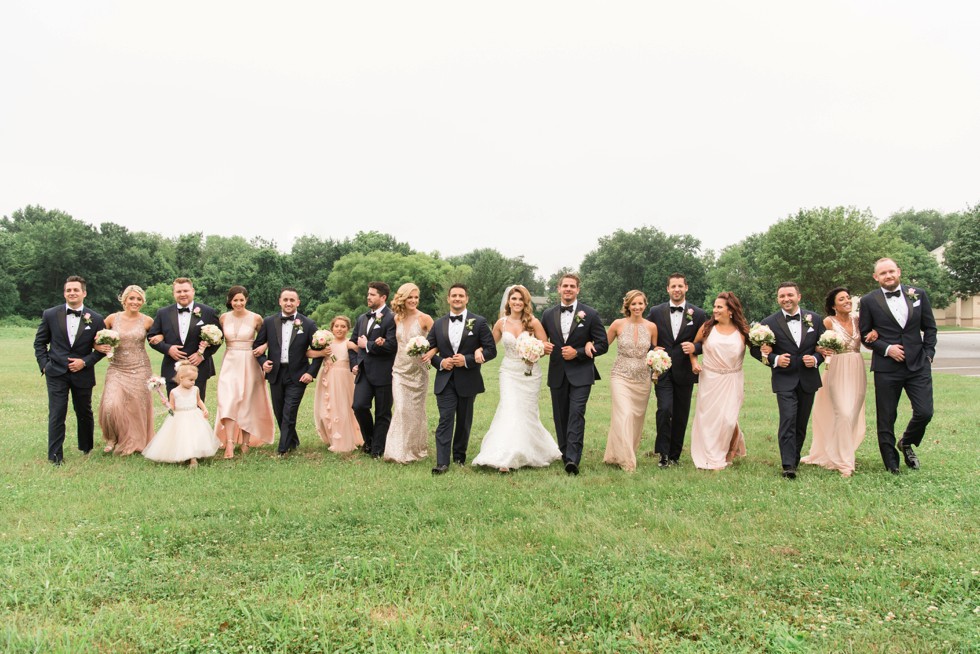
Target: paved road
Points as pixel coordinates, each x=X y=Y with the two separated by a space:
x=958 y=353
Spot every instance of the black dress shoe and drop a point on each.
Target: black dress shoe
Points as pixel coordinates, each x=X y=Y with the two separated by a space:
x=440 y=470
x=571 y=468
x=894 y=471
x=459 y=462
x=673 y=462
x=57 y=462
x=911 y=459
x=664 y=461
x=789 y=472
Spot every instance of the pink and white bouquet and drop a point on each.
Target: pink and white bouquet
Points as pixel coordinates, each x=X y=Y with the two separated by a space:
x=530 y=349
x=417 y=346
x=760 y=335
x=322 y=338
x=831 y=340
x=659 y=362
x=108 y=337
x=210 y=335
x=158 y=384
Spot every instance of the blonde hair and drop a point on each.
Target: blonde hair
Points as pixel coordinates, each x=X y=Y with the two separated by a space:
x=628 y=300
x=527 y=314
x=336 y=318
x=398 y=301
x=132 y=288
x=179 y=369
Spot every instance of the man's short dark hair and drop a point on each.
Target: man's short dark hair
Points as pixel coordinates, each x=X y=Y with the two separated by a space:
x=789 y=285
x=75 y=278
x=383 y=289
x=676 y=276
x=459 y=285
x=288 y=288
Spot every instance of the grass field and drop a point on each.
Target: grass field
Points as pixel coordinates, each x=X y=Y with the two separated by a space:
x=324 y=553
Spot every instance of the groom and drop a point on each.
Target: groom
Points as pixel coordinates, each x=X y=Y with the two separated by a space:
x=63 y=348
x=795 y=377
x=180 y=326
x=575 y=335
x=901 y=359
x=457 y=337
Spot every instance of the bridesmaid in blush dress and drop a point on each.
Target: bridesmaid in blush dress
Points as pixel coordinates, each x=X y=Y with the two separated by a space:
x=126 y=408
x=838 y=408
x=629 y=381
x=244 y=415
x=332 y=413
x=716 y=438
x=408 y=434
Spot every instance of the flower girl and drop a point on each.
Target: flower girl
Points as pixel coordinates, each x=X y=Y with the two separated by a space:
x=186 y=433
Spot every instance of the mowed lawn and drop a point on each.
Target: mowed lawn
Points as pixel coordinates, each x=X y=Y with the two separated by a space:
x=325 y=553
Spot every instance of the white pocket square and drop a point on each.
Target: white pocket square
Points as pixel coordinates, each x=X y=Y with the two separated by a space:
x=376 y=326
x=200 y=322
x=809 y=330
x=917 y=303
x=87 y=327
x=580 y=325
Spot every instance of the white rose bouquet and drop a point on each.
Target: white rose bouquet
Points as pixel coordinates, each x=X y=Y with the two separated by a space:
x=417 y=346
x=322 y=338
x=210 y=335
x=760 y=335
x=659 y=362
x=108 y=337
x=530 y=349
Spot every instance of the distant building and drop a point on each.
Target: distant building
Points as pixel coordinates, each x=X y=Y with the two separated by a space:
x=964 y=312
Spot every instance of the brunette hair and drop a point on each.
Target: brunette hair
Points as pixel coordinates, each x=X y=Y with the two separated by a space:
x=570 y=275
x=75 y=278
x=628 y=300
x=527 y=314
x=831 y=298
x=290 y=289
x=383 y=289
x=676 y=276
x=398 y=301
x=344 y=318
x=232 y=292
x=459 y=285
x=738 y=315
x=788 y=285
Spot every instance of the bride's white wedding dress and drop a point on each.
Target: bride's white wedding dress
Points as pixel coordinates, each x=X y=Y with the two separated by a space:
x=516 y=437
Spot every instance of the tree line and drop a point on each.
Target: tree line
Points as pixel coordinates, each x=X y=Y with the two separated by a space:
x=818 y=248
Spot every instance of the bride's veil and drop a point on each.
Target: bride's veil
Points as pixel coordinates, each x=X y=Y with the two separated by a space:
x=503 y=300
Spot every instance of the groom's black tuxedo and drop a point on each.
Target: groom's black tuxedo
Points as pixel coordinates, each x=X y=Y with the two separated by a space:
x=285 y=386
x=794 y=385
x=571 y=381
x=674 y=388
x=373 y=380
x=914 y=375
x=457 y=389
x=166 y=322
x=52 y=349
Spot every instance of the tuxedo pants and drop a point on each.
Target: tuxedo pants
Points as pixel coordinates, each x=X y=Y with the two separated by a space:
x=673 y=412
x=455 y=421
x=286 y=397
x=888 y=391
x=794 y=414
x=568 y=407
x=201 y=383
x=81 y=400
x=374 y=429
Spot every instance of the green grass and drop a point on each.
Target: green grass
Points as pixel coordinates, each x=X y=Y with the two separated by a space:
x=322 y=552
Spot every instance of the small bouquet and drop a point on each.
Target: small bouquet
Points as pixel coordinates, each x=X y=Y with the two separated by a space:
x=659 y=363
x=158 y=384
x=210 y=335
x=760 y=335
x=530 y=349
x=417 y=346
x=322 y=338
x=831 y=340
x=108 y=337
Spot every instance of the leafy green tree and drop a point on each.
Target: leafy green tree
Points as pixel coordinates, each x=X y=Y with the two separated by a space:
x=492 y=272
x=641 y=259
x=736 y=271
x=310 y=261
x=126 y=258
x=366 y=242
x=963 y=254
x=928 y=228
x=920 y=268
x=158 y=296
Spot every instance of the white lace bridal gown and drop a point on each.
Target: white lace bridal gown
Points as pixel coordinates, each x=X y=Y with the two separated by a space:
x=516 y=437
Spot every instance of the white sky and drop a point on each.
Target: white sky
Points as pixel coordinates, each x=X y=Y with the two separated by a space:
x=530 y=127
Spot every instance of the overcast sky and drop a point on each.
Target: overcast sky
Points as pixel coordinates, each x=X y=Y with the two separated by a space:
x=530 y=127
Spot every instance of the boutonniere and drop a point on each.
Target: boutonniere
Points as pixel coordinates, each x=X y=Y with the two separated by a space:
x=197 y=311
x=808 y=320
x=469 y=325
x=87 y=318
x=298 y=326
x=689 y=315
x=911 y=294
x=579 y=317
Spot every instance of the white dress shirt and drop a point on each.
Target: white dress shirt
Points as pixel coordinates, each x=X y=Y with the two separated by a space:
x=456 y=328
x=370 y=326
x=72 y=323
x=795 y=326
x=287 y=334
x=568 y=319
x=184 y=321
x=898 y=306
x=676 y=318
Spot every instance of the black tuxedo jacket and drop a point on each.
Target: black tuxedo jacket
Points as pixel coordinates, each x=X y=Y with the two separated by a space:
x=581 y=370
x=476 y=334
x=918 y=337
x=680 y=363
x=271 y=332
x=376 y=362
x=165 y=322
x=787 y=379
x=52 y=350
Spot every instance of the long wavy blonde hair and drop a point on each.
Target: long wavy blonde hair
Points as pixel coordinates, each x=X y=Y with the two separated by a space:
x=527 y=315
x=132 y=288
x=398 y=301
x=628 y=300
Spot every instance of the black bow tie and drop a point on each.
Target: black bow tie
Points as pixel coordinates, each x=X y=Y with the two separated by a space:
x=376 y=314
x=791 y=318
x=74 y=312
x=674 y=309
x=893 y=293
x=183 y=309
x=458 y=318
x=288 y=318
x=568 y=309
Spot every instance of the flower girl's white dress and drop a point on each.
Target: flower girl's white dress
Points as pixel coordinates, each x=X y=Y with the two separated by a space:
x=184 y=435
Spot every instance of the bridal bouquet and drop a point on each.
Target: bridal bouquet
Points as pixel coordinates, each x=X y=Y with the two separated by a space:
x=530 y=349
x=322 y=338
x=157 y=384
x=210 y=335
x=417 y=346
x=760 y=335
x=659 y=363
x=831 y=340
x=108 y=337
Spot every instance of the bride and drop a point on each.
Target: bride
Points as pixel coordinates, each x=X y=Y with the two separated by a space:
x=516 y=437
